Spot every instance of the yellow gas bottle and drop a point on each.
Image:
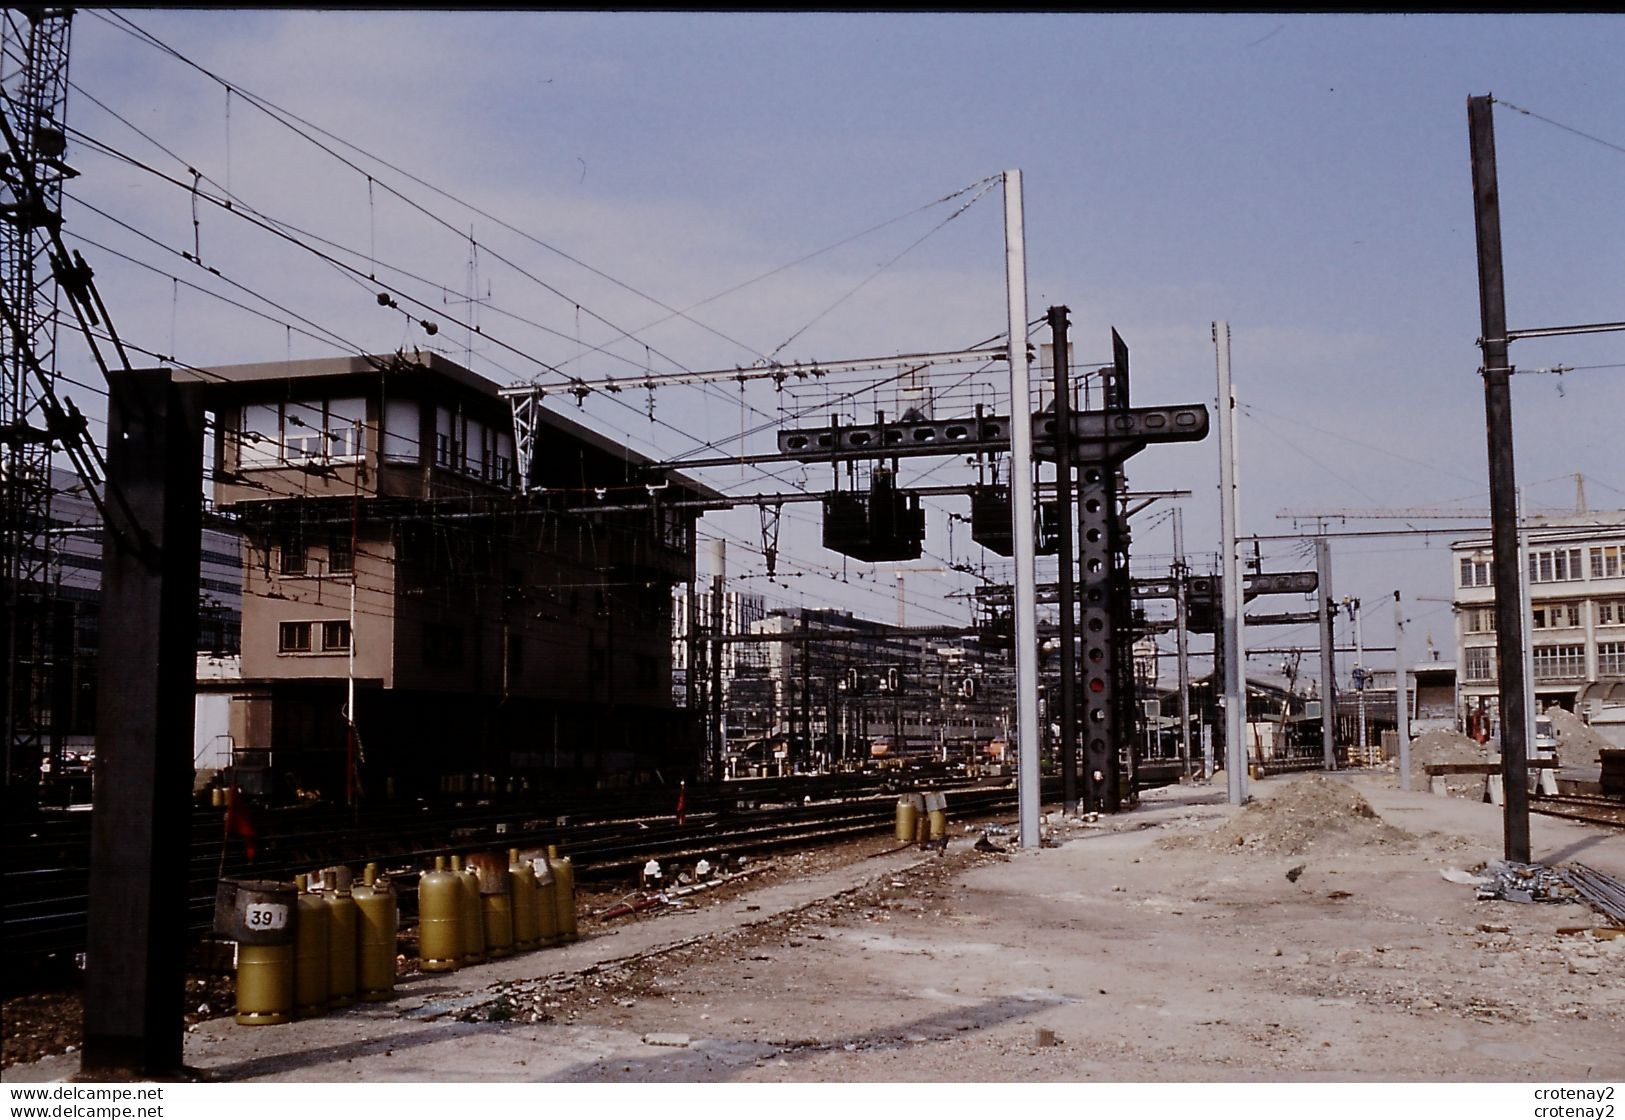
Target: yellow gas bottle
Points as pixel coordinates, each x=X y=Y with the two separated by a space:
x=264 y=931
x=440 y=919
x=496 y=902
x=908 y=816
x=311 y=953
x=378 y=920
x=547 y=904
x=564 y=892
x=341 y=941
x=264 y=984
x=522 y=883
x=472 y=921
x=936 y=813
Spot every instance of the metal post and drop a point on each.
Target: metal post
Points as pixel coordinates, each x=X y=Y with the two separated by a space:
x=1021 y=516
x=1182 y=644
x=1063 y=504
x=806 y=689
x=1402 y=703
x=135 y=946
x=1235 y=695
x=719 y=575
x=1328 y=656
x=1359 y=665
x=1497 y=371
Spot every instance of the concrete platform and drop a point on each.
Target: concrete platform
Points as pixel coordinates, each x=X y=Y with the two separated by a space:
x=1128 y=951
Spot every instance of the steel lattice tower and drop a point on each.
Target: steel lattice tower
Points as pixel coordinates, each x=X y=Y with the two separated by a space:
x=34 y=77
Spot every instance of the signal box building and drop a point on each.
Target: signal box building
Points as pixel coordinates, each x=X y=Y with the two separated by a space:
x=488 y=623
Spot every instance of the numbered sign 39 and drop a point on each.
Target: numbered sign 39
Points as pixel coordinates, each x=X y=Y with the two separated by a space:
x=265 y=916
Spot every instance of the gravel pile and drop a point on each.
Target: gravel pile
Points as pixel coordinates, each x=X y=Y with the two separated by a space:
x=1313 y=813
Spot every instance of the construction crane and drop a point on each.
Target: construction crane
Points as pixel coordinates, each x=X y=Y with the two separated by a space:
x=33 y=99
x=1415 y=513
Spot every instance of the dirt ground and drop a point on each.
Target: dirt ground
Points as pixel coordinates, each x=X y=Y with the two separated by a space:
x=1309 y=937
x=1155 y=948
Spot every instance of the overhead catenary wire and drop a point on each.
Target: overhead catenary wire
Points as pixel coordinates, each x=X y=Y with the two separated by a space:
x=189 y=187
x=370 y=179
x=1558 y=124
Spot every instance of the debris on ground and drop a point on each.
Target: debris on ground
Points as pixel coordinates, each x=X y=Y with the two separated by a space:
x=1311 y=813
x=1524 y=882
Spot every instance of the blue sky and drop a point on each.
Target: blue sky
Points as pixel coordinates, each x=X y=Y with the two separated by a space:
x=1303 y=177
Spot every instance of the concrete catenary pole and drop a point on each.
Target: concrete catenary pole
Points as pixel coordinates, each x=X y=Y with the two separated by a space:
x=1235 y=696
x=1328 y=657
x=1021 y=516
x=1402 y=702
x=1497 y=372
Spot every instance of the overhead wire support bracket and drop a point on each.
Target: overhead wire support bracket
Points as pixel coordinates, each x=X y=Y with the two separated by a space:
x=1555 y=332
x=526 y=400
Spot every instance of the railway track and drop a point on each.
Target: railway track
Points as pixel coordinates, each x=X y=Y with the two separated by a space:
x=46 y=869
x=1597 y=809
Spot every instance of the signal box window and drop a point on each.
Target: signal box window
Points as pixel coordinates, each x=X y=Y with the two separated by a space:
x=335 y=636
x=293 y=637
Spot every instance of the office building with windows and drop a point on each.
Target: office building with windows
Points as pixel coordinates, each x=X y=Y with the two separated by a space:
x=1576 y=574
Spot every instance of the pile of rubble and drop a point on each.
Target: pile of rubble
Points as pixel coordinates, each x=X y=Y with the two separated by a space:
x=1577 y=744
x=1440 y=747
x=1313 y=813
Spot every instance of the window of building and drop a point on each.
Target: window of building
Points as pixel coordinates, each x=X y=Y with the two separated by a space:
x=1475 y=572
x=1550 y=616
x=340 y=556
x=442 y=645
x=475 y=436
x=402 y=442
x=1556 y=565
x=504 y=460
x=1559 y=663
x=1606 y=560
x=293 y=637
x=335 y=636
x=1611 y=612
x=259 y=437
x=1611 y=659
x=446 y=450
x=1479 y=620
x=301 y=432
x=346 y=427
x=1478 y=664
x=292 y=550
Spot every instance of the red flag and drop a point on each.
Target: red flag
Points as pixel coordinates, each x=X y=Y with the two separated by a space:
x=239 y=822
x=682 y=801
